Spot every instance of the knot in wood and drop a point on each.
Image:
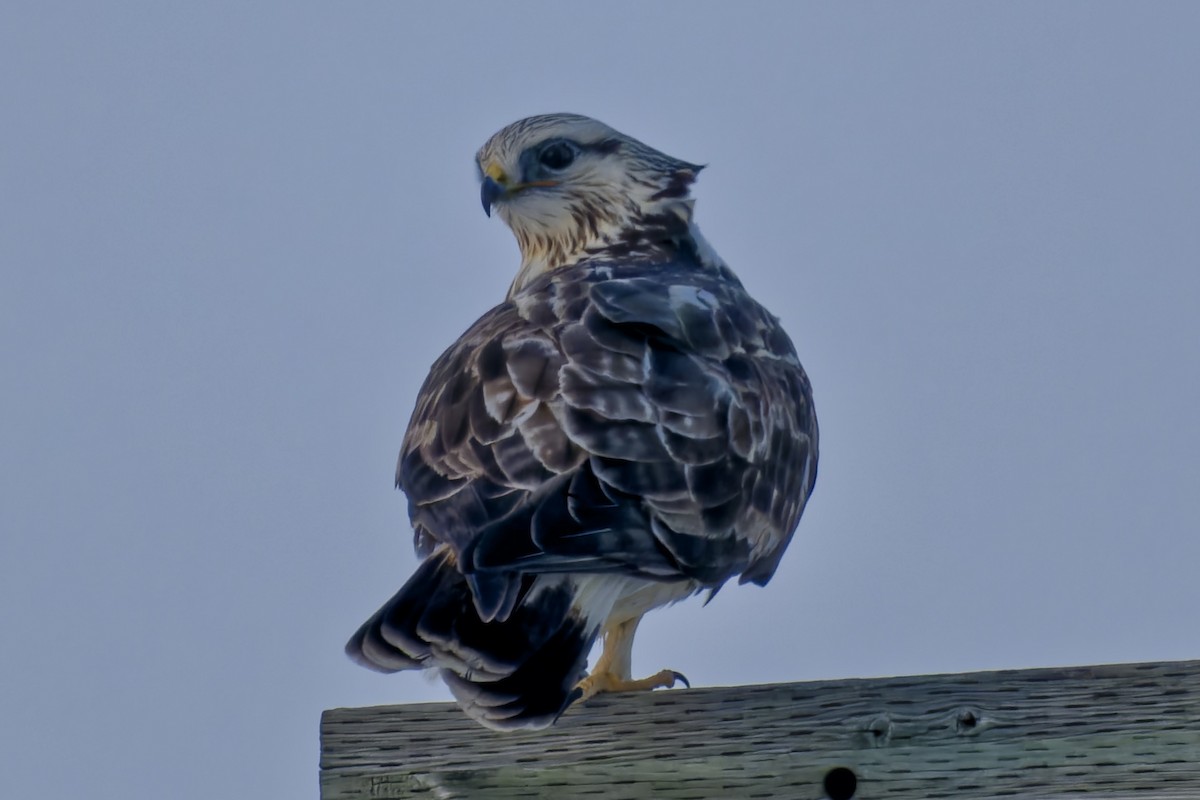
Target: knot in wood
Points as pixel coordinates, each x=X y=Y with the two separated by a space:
x=968 y=722
x=879 y=730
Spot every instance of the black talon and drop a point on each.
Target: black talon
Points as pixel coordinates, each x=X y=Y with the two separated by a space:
x=679 y=676
x=575 y=694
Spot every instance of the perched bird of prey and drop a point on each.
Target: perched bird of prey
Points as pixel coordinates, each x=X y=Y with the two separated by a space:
x=628 y=428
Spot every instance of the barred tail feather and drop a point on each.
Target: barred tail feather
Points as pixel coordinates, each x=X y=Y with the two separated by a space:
x=516 y=672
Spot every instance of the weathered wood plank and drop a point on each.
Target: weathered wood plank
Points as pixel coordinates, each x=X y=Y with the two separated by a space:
x=1109 y=731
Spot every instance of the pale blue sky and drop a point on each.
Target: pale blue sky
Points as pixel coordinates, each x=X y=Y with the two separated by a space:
x=233 y=236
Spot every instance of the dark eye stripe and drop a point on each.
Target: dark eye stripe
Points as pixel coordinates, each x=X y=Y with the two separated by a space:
x=603 y=147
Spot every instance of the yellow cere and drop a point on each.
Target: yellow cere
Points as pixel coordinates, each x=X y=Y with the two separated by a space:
x=496 y=173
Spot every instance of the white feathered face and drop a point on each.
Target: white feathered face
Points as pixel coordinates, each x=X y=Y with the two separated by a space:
x=568 y=185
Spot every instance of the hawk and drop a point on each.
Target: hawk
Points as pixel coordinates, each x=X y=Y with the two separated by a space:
x=626 y=429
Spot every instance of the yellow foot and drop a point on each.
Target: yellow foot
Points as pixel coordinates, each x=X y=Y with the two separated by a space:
x=599 y=682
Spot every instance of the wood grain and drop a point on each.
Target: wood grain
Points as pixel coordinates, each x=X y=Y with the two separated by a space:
x=1106 y=731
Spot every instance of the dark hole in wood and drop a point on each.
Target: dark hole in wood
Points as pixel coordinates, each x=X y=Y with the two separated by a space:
x=840 y=783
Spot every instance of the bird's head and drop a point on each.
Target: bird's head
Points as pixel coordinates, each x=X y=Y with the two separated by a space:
x=571 y=187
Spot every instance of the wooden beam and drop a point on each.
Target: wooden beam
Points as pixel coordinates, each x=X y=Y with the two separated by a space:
x=1118 y=731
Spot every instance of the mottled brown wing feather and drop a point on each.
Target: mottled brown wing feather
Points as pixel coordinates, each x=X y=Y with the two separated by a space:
x=640 y=418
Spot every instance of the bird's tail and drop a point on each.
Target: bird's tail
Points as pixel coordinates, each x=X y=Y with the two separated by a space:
x=516 y=672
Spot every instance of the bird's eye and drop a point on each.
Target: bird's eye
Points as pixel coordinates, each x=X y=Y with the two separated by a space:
x=558 y=155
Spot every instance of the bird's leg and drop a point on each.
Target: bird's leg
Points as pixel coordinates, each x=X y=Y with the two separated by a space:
x=613 y=672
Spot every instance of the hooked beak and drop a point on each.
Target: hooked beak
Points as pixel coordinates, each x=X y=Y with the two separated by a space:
x=489 y=192
x=496 y=185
